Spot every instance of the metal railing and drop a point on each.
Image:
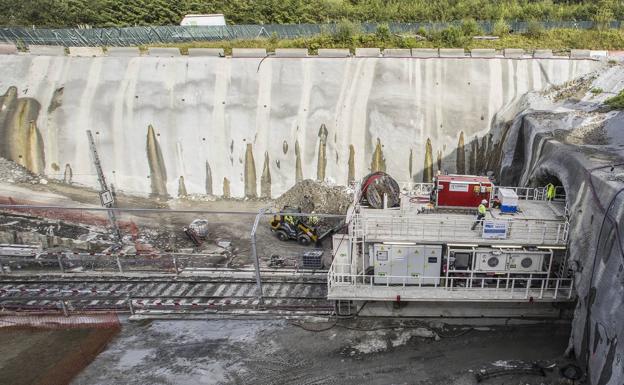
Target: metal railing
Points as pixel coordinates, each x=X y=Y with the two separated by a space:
x=508 y=287
x=388 y=226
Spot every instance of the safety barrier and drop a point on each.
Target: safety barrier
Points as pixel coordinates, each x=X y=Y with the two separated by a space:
x=484 y=288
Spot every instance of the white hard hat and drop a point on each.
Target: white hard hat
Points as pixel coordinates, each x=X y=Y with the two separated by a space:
x=484 y=202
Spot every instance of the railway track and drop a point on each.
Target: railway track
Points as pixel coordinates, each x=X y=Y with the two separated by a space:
x=282 y=295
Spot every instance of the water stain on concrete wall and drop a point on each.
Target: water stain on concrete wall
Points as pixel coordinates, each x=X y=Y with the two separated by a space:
x=158 y=172
x=410 y=166
x=68 y=174
x=298 y=169
x=250 y=173
x=428 y=166
x=351 y=173
x=21 y=139
x=226 y=188
x=322 y=153
x=57 y=100
x=181 y=187
x=439 y=160
x=265 y=179
x=461 y=154
x=378 y=162
x=208 y=179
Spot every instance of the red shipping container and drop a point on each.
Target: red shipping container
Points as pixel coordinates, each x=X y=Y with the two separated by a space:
x=462 y=190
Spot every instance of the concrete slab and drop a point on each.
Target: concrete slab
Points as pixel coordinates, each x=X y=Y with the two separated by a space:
x=123 y=51
x=542 y=53
x=46 y=50
x=452 y=52
x=598 y=54
x=206 y=52
x=367 y=52
x=163 y=52
x=425 y=52
x=249 y=52
x=291 y=52
x=86 y=51
x=483 y=52
x=580 y=53
x=333 y=52
x=513 y=52
x=397 y=52
x=8 y=49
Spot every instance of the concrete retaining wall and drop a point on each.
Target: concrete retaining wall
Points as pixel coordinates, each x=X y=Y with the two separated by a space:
x=233 y=126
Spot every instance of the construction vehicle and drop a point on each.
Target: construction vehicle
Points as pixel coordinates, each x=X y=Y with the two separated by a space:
x=303 y=229
x=295 y=227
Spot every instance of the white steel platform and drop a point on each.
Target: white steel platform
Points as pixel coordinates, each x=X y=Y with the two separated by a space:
x=539 y=226
x=538 y=223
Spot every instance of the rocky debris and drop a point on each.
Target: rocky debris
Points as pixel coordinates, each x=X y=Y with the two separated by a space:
x=572 y=90
x=319 y=197
x=12 y=172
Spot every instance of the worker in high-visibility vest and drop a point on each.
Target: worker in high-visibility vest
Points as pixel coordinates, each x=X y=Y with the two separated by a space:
x=481 y=211
x=550 y=191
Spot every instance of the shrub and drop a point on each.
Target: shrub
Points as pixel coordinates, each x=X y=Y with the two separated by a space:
x=535 y=29
x=345 y=31
x=469 y=27
x=596 y=90
x=616 y=102
x=383 y=32
x=452 y=37
x=501 y=28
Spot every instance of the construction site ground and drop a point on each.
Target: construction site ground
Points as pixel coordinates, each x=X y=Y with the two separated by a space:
x=30 y=356
x=279 y=352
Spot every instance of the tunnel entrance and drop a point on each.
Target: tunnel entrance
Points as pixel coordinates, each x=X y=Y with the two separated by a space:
x=545 y=180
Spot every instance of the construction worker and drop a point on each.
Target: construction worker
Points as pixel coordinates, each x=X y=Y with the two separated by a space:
x=481 y=211
x=550 y=191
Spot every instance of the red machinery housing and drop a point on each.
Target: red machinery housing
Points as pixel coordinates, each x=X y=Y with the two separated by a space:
x=462 y=190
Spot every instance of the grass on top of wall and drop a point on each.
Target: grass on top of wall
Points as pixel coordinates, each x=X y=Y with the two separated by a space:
x=559 y=40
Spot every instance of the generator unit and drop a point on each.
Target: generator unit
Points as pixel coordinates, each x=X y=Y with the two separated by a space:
x=525 y=262
x=399 y=263
x=465 y=191
x=490 y=261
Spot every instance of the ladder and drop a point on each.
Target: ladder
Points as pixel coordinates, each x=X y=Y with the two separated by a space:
x=106 y=197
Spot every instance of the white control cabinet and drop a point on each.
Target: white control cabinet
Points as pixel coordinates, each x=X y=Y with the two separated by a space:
x=397 y=264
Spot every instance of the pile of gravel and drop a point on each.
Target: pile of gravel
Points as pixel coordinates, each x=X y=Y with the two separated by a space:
x=12 y=172
x=319 y=197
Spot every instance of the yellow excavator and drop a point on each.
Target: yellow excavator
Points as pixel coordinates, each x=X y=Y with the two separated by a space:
x=301 y=229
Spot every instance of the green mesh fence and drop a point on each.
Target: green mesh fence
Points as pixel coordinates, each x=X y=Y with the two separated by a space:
x=131 y=36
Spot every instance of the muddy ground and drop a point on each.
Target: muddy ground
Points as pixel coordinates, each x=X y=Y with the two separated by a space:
x=278 y=352
x=48 y=357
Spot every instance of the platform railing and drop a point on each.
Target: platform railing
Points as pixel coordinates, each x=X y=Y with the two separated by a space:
x=525 y=287
x=380 y=225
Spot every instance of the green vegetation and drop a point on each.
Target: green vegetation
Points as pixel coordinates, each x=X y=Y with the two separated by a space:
x=596 y=91
x=616 y=102
x=561 y=40
x=109 y=13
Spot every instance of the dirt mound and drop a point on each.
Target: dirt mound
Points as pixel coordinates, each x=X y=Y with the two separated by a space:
x=14 y=173
x=319 y=197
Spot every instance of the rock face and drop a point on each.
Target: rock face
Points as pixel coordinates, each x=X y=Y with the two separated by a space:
x=577 y=146
x=315 y=118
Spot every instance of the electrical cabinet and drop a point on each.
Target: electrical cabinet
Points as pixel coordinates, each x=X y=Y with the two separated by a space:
x=397 y=264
